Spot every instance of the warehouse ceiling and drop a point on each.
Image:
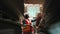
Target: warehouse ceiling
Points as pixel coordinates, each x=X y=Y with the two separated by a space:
x=34 y=1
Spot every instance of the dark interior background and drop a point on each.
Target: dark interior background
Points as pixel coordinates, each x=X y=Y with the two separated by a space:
x=10 y=11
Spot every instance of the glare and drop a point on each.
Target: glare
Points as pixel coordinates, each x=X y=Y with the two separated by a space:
x=32 y=9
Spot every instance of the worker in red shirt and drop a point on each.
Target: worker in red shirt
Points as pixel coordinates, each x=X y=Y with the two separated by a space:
x=27 y=28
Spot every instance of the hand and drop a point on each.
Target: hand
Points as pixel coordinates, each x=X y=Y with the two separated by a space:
x=37 y=27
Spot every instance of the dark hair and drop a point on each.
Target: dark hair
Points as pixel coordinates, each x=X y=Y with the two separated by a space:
x=26 y=16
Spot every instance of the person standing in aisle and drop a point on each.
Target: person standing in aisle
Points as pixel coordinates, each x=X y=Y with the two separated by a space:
x=26 y=25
